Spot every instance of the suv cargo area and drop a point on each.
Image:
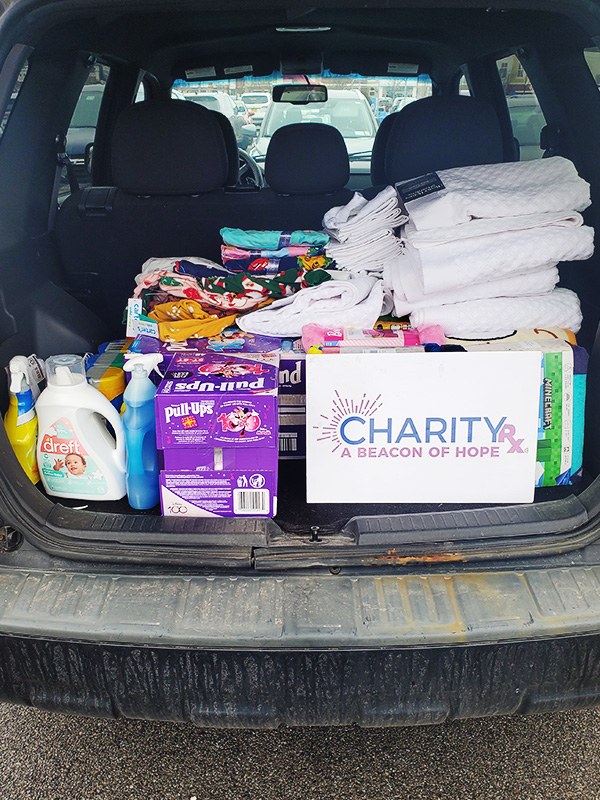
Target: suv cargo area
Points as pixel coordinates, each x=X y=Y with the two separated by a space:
x=69 y=255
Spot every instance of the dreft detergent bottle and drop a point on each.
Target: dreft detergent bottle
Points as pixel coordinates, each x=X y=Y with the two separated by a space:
x=21 y=420
x=77 y=456
x=140 y=432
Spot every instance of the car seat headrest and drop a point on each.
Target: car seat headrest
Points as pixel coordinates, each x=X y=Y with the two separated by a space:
x=307 y=158
x=168 y=147
x=435 y=133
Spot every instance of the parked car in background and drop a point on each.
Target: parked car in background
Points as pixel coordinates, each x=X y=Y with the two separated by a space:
x=527 y=120
x=257 y=104
x=348 y=110
x=245 y=131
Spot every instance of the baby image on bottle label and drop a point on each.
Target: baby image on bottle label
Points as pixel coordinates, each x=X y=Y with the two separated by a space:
x=65 y=464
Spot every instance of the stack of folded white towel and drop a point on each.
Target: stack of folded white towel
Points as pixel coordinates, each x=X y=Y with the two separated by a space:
x=362 y=232
x=493 y=232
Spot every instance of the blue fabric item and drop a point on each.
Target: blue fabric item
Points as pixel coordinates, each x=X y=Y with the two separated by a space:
x=198 y=270
x=272 y=240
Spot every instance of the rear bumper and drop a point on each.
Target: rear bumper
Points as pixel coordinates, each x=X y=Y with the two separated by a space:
x=259 y=651
x=264 y=689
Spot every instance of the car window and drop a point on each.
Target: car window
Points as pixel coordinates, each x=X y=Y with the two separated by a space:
x=82 y=129
x=13 y=97
x=356 y=105
x=526 y=115
x=592 y=56
x=351 y=117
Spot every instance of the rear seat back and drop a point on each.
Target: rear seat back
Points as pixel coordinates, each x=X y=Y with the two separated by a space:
x=171 y=170
x=435 y=133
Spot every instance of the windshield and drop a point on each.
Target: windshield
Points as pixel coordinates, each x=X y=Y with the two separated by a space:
x=87 y=108
x=352 y=117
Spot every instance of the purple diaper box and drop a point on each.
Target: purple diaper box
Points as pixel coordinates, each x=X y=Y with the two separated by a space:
x=217 y=428
x=232 y=341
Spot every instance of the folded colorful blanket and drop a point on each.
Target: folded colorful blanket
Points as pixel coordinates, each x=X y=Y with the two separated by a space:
x=238 y=293
x=272 y=240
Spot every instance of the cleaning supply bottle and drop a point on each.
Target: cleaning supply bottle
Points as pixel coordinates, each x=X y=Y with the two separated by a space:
x=77 y=456
x=21 y=420
x=140 y=432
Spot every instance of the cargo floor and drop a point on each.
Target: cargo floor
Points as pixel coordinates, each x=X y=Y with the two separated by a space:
x=295 y=514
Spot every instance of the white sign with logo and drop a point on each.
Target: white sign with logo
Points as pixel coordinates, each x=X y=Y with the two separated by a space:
x=422 y=427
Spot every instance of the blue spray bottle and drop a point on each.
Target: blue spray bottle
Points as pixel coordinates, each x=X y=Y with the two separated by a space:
x=140 y=432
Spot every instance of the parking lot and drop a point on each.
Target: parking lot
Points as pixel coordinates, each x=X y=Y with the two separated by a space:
x=540 y=757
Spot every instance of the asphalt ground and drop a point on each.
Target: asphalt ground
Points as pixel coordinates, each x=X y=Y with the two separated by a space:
x=54 y=757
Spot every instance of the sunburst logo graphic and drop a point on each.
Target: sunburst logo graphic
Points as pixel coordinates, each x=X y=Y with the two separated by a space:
x=341 y=409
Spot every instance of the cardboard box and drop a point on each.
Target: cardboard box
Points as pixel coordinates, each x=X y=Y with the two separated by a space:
x=421 y=427
x=216 y=459
x=217 y=434
x=219 y=494
x=561 y=407
x=211 y=400
x=292 y=373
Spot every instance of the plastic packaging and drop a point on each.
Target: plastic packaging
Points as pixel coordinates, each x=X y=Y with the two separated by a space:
x=104 y=370
x=77 y=456
x=21 y=420
x=139 y=420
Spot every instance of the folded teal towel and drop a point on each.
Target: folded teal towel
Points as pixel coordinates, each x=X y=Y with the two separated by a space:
x=272 y=240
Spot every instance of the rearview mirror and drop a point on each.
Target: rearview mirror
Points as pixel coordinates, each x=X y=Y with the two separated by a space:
x=299 y=94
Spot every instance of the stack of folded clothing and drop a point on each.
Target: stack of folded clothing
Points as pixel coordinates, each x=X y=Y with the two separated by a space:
x=480 y=251
x=273 y=251
x=362 y=232
x=186 y=306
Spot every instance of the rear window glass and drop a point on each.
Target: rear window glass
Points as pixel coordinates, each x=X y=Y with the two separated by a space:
x=256 y=99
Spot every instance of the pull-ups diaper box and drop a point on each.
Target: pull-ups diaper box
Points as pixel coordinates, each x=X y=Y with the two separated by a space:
x=217 y=427
x=292 y=374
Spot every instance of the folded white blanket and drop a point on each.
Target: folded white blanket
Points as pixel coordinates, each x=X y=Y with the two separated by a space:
x=368 y=256
x=501 y=190
x=533 y=283
x=361 y=218
x=438 y=268
x=481 y=227
x=356 y=303
x=501 y=315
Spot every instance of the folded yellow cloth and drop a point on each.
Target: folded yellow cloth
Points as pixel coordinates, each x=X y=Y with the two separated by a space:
x=187 y=319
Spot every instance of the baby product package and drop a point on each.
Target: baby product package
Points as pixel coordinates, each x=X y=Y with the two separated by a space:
x=423 y=427
x=217 y=427
x=214 y=400
x=292 y=374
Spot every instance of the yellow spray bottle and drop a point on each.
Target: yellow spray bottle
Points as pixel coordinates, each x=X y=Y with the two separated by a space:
x=20 y=420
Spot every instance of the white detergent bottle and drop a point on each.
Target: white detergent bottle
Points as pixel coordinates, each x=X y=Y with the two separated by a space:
x=77 y=456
